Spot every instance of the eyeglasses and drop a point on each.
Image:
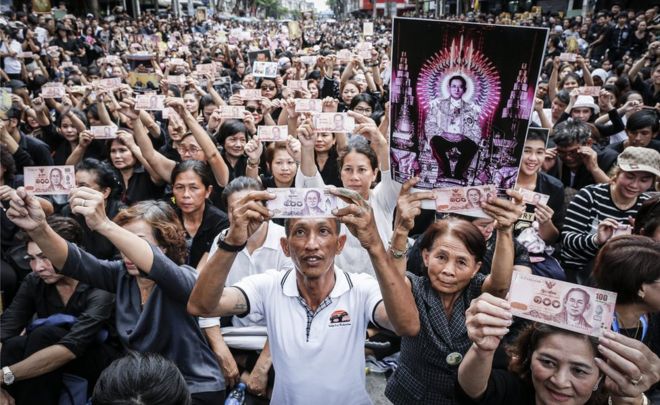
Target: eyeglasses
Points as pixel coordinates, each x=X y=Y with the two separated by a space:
x=570 y=153
x=183 y=150
x=362 y=110
x=268 y=87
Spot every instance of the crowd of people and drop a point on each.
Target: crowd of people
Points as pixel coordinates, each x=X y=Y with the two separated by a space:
x=122 y=291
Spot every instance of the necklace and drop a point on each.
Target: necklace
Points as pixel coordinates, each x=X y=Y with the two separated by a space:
x=619 y=327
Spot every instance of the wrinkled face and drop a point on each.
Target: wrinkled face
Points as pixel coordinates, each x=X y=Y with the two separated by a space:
x=357 y=173
x=456 y=89
x=283 y=166
x=234 y=145
x=121 y=156
x=144 y=231
x=189 y=149
x=632 y=184
x=563 y=370
x=473 y=196
x=640 y=137
x=41 y=265
x=324 y=141
x=349 y=92
x=68 y=131
x=312 y=245
x=450 y=265
x=533 y=156
x=190 y=192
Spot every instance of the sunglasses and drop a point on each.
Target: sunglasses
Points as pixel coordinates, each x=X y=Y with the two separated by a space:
x=251 y=109
x=268 y=87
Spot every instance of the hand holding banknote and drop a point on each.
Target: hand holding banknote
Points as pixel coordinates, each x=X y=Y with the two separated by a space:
x=358 y=216
x=488 y=319
x=409 y=206
x=246 y=216
x=505 y=212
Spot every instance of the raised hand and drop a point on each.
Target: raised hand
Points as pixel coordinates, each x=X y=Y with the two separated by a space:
x=505 y=212
x=91 y=205
x=25 y=211
x=358 y=216
x=247 y=215
x=488 y=319
x=409 y=205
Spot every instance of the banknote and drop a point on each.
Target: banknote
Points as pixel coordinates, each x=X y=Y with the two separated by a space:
x=367 y=28
x=567 y=57
x=309 y=59
x=593 y=91
x=53 y=90
x=110 y=83
x=333 y=122
x=176 y=80
x=344 y=56
x=66 y=64
x=273 y=133
x=309 y=105
x=463 y=200
x=296 y=84
x=250 y=94
x=565 y=305
x=150 y=102
x=104 y=131
x=205 y=69
x=5 y=98
x=301 y=202
x=232 y=111
x=622 y=229
x=264 y=69
x=49 y=180
x=531 y=197
x=24 y=55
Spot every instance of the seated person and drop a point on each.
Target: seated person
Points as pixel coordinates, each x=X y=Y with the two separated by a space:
x=577 y=163
x=641 y=128
x=34 y=362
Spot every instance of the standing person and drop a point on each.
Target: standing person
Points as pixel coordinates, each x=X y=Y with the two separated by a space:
x=34 y=361
x=454 y=123
x=599 y=209
x=150 y=283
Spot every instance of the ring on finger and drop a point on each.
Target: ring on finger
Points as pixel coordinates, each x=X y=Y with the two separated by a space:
x=635 y=381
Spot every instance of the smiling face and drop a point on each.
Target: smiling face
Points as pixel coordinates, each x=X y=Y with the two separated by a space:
x=312 y=245
x=631 y=184
x=450 y=265
x=563 y=370
x=533 y=156
x=234 y=145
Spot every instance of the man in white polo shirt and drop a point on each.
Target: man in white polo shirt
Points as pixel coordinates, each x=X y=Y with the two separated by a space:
x=316 y=315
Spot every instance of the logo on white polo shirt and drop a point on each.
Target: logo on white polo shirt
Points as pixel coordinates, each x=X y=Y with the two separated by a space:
x=340 y=318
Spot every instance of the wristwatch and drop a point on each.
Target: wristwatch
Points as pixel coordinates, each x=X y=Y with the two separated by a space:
x=227 y=247
x=7 y=376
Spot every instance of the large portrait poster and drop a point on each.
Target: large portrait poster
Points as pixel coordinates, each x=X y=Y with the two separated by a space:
x=461 y=98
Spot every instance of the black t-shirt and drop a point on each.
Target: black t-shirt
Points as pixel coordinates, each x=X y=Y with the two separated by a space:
x=503 y=388
x=140 y=187
x=552 y=187
x=330 y=172
x=214 y=220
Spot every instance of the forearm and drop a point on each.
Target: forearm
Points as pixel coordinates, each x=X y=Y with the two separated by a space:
x=548 y=232
x=397 y=294
x=307 y=162
x=599 y=175
x=265 y=360
x=80 y=126
x=76 y=155
x=205 y=297
x=499 y=280
x=136 y=249
x=42 y=362
x=474 y=371
x=52 y=245
x=552 y=84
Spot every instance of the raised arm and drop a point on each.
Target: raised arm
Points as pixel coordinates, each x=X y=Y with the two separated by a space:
x=209 y=297
x=506 y=213
x=398 y=311
x=253 y=149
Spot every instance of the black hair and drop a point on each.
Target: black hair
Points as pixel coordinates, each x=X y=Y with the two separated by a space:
x=458 y=77
x=647 y=220
x=564 y=96
x=230 y=128
x=105 y=177
x=359 y=145
x=643 y=119
x=78 y=113
x=537 y=134
x=141 y=379
x=571 y=131
x=198 y=167
x=239 y=184
x=363 y=97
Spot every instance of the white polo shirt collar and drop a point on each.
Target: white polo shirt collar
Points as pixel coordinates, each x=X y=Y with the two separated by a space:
x=343 y=283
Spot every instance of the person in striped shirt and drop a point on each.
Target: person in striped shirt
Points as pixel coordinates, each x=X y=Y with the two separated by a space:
x=600 y=211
